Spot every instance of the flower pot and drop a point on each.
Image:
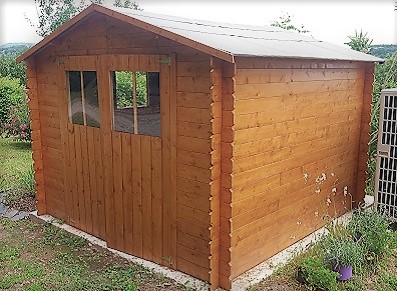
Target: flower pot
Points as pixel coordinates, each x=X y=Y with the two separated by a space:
x=346 y=272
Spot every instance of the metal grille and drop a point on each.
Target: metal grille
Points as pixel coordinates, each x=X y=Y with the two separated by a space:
x=386 y=168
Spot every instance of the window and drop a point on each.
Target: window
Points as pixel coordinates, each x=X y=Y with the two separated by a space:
x=136 y=97
x=83 y=98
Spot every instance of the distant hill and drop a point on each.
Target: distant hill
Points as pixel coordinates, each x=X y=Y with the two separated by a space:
x=383 y=50
x=14 y=49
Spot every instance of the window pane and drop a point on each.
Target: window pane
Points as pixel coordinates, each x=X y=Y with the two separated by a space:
x=148 y=95
x=76 y=106
x=91 y=104
x=141 y=88
x=123 y=101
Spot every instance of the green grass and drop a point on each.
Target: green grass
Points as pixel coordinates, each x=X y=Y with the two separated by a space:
x=43 y=257
x=16 y=161
x=16 y=173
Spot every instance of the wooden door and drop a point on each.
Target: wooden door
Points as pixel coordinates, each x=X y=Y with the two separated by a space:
x=121 y=183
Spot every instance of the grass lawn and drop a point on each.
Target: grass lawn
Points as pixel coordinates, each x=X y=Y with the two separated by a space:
x=16 y=174
x=43 y=257
x=15 y=160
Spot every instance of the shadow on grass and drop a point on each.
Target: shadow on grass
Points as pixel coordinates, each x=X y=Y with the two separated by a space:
x=20 y=145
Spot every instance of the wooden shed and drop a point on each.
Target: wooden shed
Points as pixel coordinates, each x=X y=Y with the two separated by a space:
x=206 y=147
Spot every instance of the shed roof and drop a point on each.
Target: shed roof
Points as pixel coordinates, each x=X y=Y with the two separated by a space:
x=223 y=40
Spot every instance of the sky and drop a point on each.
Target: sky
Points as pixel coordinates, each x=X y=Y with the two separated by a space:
x=327 y=20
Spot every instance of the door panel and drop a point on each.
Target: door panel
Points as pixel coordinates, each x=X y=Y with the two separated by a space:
x=120 y=186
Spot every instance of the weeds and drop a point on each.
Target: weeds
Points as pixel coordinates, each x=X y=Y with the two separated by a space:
x=27 y=182
x=51 y=259
x=53 y=235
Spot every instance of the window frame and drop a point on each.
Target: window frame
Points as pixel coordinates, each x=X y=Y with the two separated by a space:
x=81 y=75
x=134 y=98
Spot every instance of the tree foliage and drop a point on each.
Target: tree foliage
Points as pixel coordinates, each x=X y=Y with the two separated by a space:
x=10 y=68
x=126 y=4
x=54 y=13
x=360 y=42
x=12 y=93
x=385 y=78
x=285 y=22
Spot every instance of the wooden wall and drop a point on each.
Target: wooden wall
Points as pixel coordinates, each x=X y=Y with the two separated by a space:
x=194 y=129
x=294 y=122
x=250 y=143
x=50 y=134
x=195 y=141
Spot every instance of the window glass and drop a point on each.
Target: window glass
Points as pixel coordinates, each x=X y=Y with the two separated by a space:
x=123 y=112
x=148 y=89
x=91 y=104
x=83 y=98
x=76 y=107
x=137 y=102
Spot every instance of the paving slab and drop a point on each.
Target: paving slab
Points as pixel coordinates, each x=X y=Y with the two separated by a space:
x=10 y=213
x=21 y=215
x=3 y=209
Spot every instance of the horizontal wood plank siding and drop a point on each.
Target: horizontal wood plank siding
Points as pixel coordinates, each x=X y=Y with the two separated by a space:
x=194 y=130
x=365 y=130
x=51 y=144
x=294 y=122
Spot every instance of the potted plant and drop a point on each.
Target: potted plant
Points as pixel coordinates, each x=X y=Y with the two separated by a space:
x=344 y=254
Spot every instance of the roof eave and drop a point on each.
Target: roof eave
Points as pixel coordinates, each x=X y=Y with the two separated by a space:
x=128 y=19
x=62 y=29
x=170 y=35
x=368 y=60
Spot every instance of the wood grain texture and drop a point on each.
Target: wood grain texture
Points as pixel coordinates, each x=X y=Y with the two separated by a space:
x=36 y=135
x=293 y=122
x=364 y=133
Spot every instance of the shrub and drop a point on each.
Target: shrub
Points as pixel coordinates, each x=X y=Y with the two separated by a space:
x=343 y=252
x=18 y=123
x=10 y=68
x=12 y=93
x=372 y=231
x=317 y=275
x=385 y=77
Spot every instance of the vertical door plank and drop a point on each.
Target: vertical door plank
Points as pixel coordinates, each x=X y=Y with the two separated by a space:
x=146 y=196
x=79 y=176
x=106 y=107
x=86 y=179
x=99 y=184
x=127 y=190
x=75 y=218
x=166 y=159
x=137 y=195
x=157 y=209
x=173 y=157
x=92 y=180
x=64 y=120
x=118 y=190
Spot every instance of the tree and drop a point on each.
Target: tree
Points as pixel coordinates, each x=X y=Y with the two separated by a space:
x=54 y=13
x=126 y=4
x=385 y=77
x=360 y=42
x=285 y=22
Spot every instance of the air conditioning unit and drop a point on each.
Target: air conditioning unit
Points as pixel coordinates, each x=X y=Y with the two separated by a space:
x=386 y=167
